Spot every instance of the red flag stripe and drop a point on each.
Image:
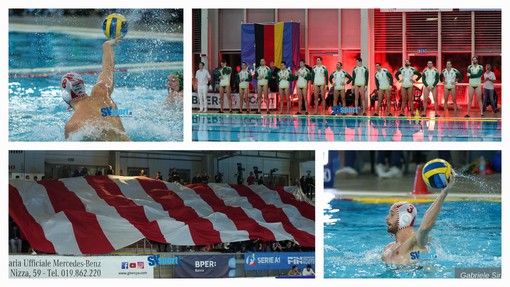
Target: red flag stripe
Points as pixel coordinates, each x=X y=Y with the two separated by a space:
x=304 y=208
x=273 y=214
x=269 y=43
x=84 y=223
x=31 y=228
x=99 y=214
x=201 y=229
x=238 y=216
x=110 y=192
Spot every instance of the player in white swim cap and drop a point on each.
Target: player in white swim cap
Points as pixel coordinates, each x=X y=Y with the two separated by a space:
x=73 y=87
x=92 y=113
x=401 y=220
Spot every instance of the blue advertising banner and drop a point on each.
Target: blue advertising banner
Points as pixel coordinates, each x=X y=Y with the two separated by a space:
x=277 y=260
x=205 y=266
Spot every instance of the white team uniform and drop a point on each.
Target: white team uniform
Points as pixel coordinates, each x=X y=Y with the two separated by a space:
x=263 y=72
x=284 y=75
x=225 y=80
x=302 y=82
x=450 y=78
x=382 y=78
x=339 y=78
x=472 y=69
x=243 y=76
x=430 y=76
x=360 y=79
x=407 y=76
x=320 y=74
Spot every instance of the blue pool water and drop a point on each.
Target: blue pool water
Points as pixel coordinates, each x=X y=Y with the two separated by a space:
x=466 y=234
x=37 y=111
x=329 y=128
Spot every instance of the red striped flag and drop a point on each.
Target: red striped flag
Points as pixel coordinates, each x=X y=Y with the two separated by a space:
x=101 y=214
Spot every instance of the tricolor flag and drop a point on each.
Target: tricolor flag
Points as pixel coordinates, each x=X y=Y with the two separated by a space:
x=271 y=41
x=101 y=214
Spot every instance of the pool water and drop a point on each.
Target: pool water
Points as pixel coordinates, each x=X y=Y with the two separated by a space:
x=37 y=111
x=236 y=128
x=466 y=235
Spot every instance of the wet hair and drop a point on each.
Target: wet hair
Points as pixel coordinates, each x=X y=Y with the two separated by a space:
x=359 y=60
x=302 y=60
x=378 y=64
x=319 y=58
x=283 y=62
x=179 y=77
x=244 y=63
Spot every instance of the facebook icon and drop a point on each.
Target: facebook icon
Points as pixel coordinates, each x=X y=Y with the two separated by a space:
x=125 y=265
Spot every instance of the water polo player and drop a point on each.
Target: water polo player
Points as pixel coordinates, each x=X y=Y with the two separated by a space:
x=93 y=119
x=408 y=245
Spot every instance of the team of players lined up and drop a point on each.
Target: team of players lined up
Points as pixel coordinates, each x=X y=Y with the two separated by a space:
x=407 y=76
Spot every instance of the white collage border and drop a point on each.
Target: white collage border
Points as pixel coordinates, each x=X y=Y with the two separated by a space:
x=321 y=148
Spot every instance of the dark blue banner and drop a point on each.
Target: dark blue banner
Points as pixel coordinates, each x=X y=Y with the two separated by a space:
x=205 y=266
x=278 y=260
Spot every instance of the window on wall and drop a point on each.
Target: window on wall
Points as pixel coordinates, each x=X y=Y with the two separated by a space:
x=487 y=32
x=456 y=31
x=260 y=15
x=230 y=29
x=197 y=30
x=387 y=31
x=421 y=32
x=322 y=29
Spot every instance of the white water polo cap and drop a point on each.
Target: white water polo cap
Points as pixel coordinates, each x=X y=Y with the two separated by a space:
x=73 y=87
x=406 y=214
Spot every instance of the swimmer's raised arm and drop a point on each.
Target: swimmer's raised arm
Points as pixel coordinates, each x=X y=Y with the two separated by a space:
x=430 y=217
x=105 y=80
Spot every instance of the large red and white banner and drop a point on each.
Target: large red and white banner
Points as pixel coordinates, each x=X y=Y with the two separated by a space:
x=101 y=214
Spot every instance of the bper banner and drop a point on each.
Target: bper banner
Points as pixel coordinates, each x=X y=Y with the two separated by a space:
x=205 y=266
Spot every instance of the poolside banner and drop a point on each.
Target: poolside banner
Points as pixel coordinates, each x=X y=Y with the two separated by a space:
x=101 y=214
x=213 y=101
x=206 y=266
x=277 y=260
x=54 y=266
x=272 y=41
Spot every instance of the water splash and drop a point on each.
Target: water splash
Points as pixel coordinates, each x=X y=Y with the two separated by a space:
x=478 y=183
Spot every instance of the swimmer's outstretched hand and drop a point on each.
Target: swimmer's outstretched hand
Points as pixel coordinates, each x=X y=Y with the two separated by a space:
x=450 y=184
x=113 y=41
